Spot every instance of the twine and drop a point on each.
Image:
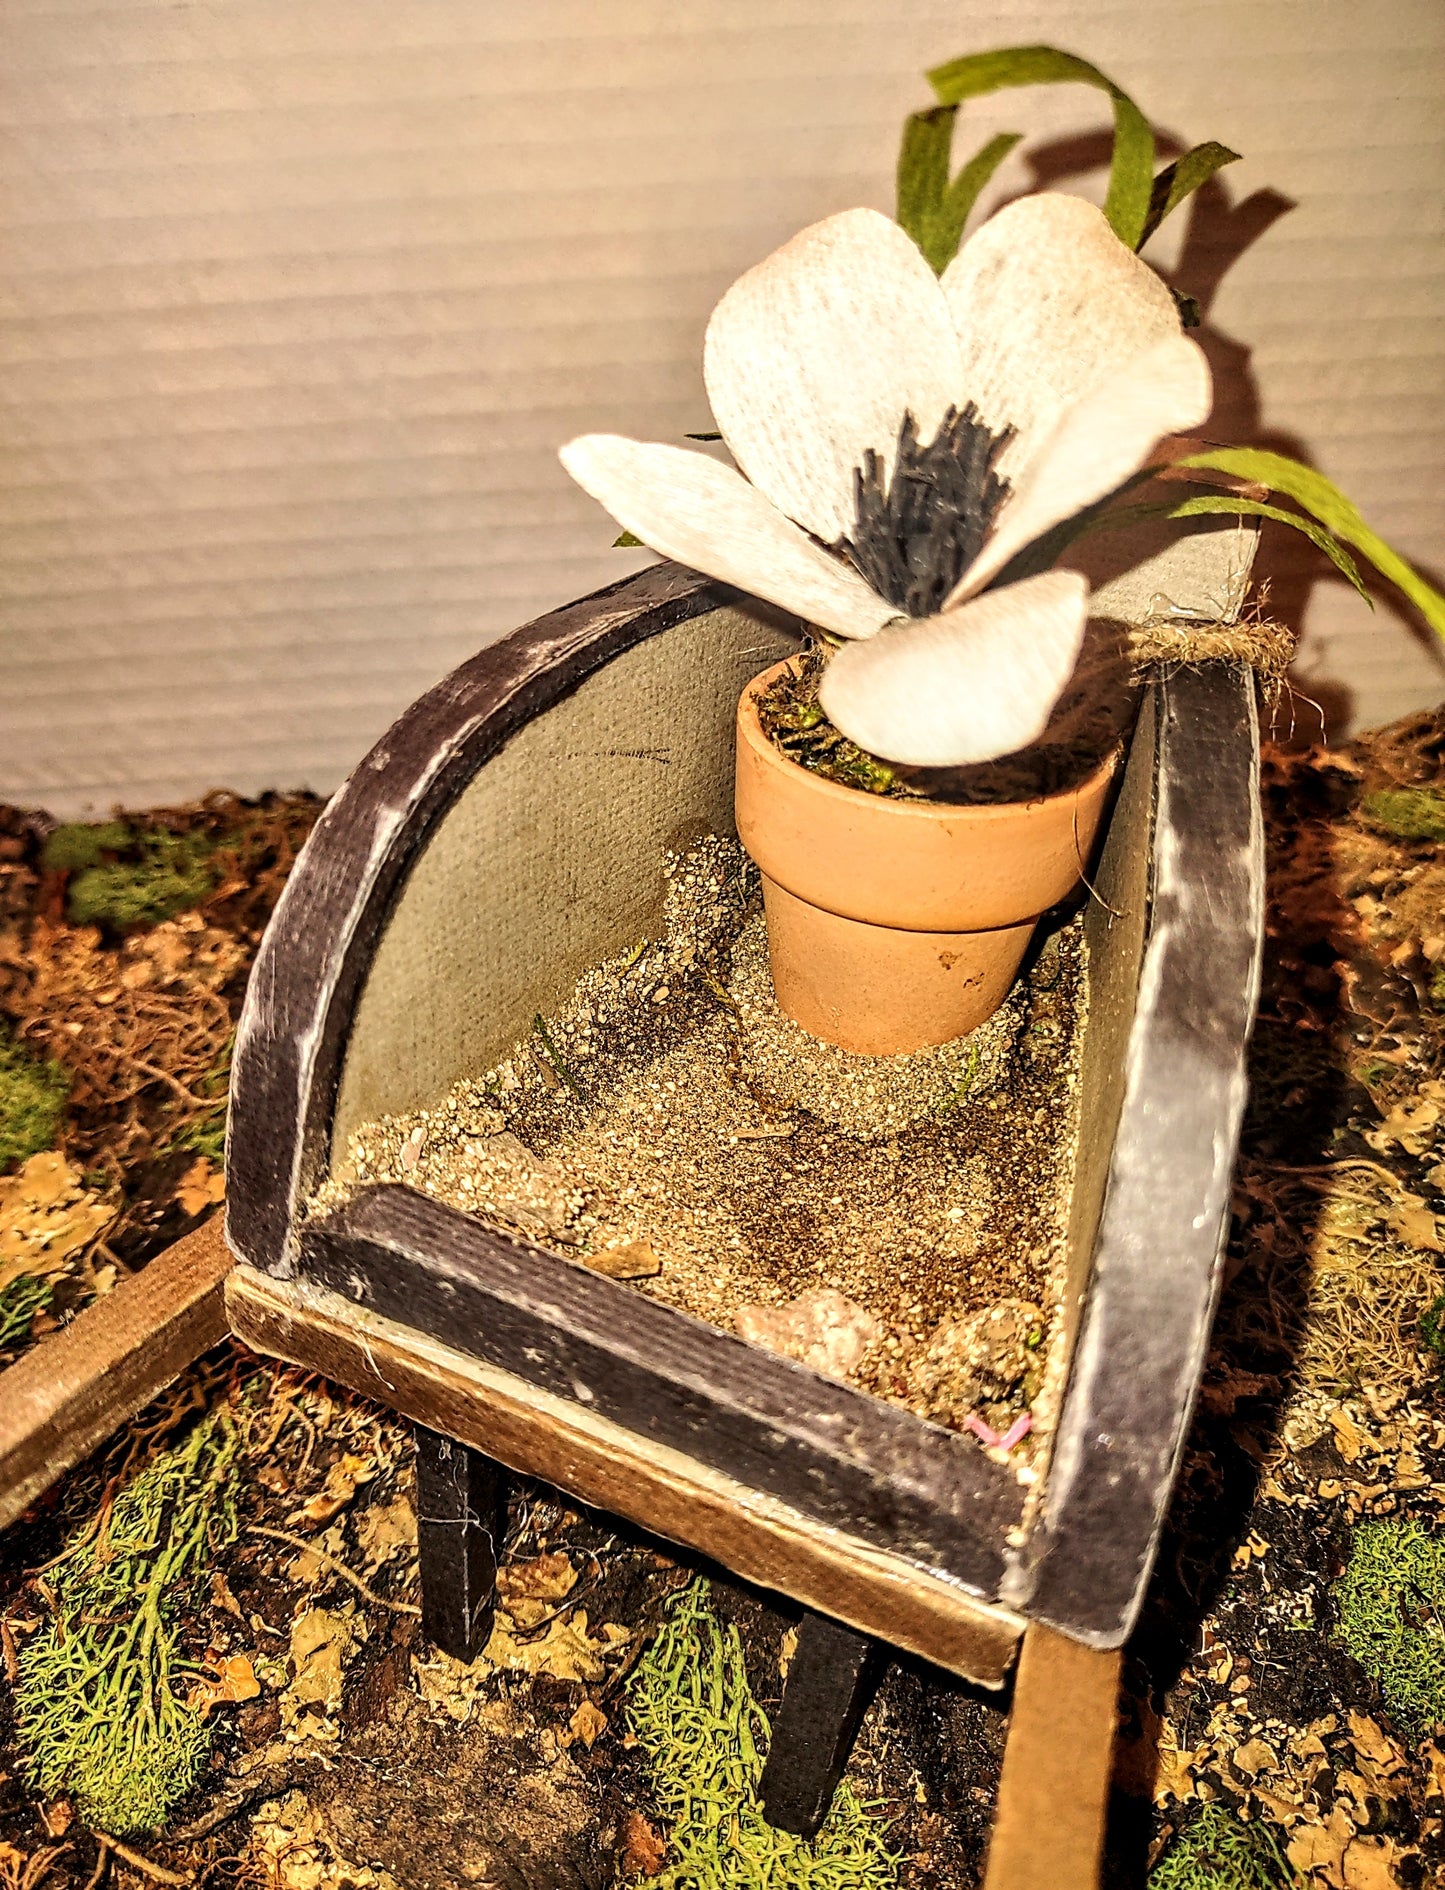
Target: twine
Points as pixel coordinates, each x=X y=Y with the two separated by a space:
x=1261 y=645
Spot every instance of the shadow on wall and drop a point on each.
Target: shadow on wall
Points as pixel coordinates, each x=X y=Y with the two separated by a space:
x=1219 y=232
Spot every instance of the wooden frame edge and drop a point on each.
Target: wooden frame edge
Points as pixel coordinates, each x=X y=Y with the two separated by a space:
x=72 y=1391
x=605 y=1465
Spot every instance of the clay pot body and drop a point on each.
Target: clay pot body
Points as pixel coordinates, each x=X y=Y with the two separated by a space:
x=894 y=924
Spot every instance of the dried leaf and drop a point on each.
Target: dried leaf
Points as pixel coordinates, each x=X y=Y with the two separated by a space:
x=643 y=1851
x=550 y=1577
x=565 y=1651
x=1253 y=1757
x=202 y=1186
x=1322 y=1847
x=342 y=1481
x=1369 y=1864
x=638 y=1260
x=235 y=1681
x=588 y=1724
x=320 y=1643
x=385 y=1531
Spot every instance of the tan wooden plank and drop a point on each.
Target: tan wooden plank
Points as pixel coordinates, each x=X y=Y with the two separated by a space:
x=605 y=1465
x=1048 y=1830
x=69 y=1393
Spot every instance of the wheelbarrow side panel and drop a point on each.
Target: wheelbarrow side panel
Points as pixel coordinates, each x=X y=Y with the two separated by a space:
x=1158 y=1257
x=317 y=950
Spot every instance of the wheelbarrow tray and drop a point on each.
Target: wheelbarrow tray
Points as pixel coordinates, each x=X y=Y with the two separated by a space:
x=507 y=834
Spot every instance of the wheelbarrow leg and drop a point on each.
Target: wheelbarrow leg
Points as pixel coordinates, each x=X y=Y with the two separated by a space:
x=461 y=1509
x=826 y=1690
x=1053 y=1793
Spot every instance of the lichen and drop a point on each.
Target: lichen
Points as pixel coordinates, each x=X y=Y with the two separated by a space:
x=98 y=1713
x=32 y=1100
x=694 y=1714
x=1391 y=1603
x=1220 y=1851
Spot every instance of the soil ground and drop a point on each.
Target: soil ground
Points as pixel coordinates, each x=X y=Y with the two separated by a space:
x=342 y=1753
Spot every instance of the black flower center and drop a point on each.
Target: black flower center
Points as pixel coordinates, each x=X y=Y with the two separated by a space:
x=917 y=535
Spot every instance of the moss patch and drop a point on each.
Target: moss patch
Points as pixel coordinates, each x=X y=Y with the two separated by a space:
x=32 y=1101
x=694 y=1714
x=1407 y=813
x=1220 y=1851
x=20 y=1300
x=1391 y=1603
x=98 y=1709
x=165 y=873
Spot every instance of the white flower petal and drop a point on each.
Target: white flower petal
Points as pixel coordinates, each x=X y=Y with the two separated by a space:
x=815 y=356
x=704 y=514
x=968 y=685
x=1096 y=445
x=1047 y=301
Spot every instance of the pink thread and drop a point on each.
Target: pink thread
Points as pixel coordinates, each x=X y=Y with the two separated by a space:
x=973 y=1422
x=1017 y=1431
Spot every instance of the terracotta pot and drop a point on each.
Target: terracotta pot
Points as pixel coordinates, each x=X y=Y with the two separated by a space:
x=894 y=924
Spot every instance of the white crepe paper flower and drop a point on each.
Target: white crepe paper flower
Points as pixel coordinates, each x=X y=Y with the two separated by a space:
x=900 y=438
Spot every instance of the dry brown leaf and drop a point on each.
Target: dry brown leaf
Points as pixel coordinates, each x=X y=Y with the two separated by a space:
x=1322 y=1847
x=565 y=1651
x=1349 y=1438
x=588 y=1723
x=1253 y=1757
x=550 y=1577
x=1369 y=1864
x=200 y=1187
x=342 y=1482
x=638 y=1260
x=384 y=1531
x=58 y=1818
x=1373 y=1743
x=236 y=1680
x=1414 y=1223
x=47 y=1215
x=643 y=1851
x=320 y=1643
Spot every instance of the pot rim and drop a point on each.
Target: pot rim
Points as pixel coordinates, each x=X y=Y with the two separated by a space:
x=751 y=727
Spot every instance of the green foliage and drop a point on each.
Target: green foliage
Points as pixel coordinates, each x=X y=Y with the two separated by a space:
x=97 y=1712
x=1131 y=173
x=1325 y=503
x=167 y=873
x=75 y=845
x=1408 y=813
x=934 y=211
x=626 y=541
x=1180 y=180
x=32 y=1100
x=1391 y=1604
x=1432 y=1327
x=931 y=209
x=1220 y=1851
x=20 y=1300
x=1230 y=504
x=692 y=1711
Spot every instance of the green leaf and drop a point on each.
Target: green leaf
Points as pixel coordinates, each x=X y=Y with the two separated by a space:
x=1131 y=174
x=1324 y=501
x=702 y=436
x=930 y=209
x=1227 y=502
x=626 y=541
x=1181 y=179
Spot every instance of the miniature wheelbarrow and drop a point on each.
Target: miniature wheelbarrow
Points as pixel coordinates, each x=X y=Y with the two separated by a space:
x=506 y=834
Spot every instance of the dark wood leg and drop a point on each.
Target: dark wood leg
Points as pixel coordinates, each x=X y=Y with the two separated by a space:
x=826 y=1690
x=461 y=1510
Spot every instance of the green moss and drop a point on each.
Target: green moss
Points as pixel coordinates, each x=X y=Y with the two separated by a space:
x=20 y=1300
x=1432 y=1327
x=167 y=873
x=693 y=1713
x=1391 y=1607
x=1220 y=1851
x=75 y=845
x=98 y=1710
x=1408 y=813
x=32 y=1100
